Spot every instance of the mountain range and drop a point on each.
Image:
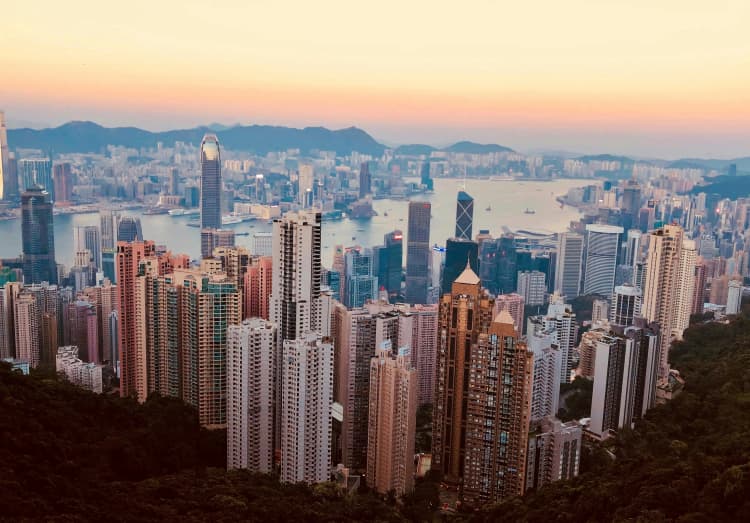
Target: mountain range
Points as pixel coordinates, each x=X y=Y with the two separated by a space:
x=89 y=137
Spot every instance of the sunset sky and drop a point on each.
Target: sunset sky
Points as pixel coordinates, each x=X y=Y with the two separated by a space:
x=662 y=78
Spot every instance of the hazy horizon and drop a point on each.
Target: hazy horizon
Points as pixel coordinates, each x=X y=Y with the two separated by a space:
x=664 y=80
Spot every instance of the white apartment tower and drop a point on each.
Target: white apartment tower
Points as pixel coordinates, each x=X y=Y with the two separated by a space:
x=569 y=263
x=251 y=352
x=306 y=400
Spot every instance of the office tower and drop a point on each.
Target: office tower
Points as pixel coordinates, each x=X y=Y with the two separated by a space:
x=464 y=215
x=361 y=285
x=251 y=353
x=600 y=311
x=129 y=229
x=554 y=452
x=418 y=252
x=295 y=300
x=633 y=248
x=626 y=305
x=305 y=181
x=734 y=297
x=514 y=304
x=262 y=244
x=212 y=238
x=332 y=280
x=26 y=320
x=257 y=288
x=499 y=265
x=108 y=228
x=548 y=361
x=306 y=400
x=5 y=183
x=174 y=181
x=465 y=313
x=38 y=237
x=669 y=287
x=392 y=422
x=365 y=180
x=532 y=286
x=602 y=242
x=131 y=323
x=457 y=253
x=497 y=424
x=624 y=379
x=84 y=330
x=425 y=178
x=86 y=238
x=37 y=171
x=63 y=183
x=108 y=264
x=569 y=264
x=390 y=259
x=211 y=186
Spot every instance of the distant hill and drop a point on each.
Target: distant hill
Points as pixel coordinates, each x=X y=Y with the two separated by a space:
x=89 y=137
x=415 y=149
x=743 y=164
x=726 y=186
x=477 y=148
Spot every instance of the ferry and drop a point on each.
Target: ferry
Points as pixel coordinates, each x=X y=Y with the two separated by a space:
x=529 y=211
x=177 y=212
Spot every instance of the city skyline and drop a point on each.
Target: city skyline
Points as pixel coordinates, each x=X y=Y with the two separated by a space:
x=573 y=78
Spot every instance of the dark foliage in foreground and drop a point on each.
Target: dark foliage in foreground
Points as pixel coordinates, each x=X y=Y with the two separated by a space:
x=688 y=461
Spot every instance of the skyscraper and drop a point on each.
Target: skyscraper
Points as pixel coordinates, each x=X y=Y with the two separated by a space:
x=212 y=238
x=392 y=422
x=365 y=180
x=389 y=259
x=306 y=400
x=251 y=355
x=129 y=229
x=514 y=304
x=295 y=299
x=257 y=288
x=602 y=242
x=63 y=183
x=569 y=264
x=532 y=286
x=626 y=305
x=38 y=237
x=458 y=252
x=108 y=228
x=465 y=313
x=27 y=322
x=499 y=265
x=498 y=411
x=5 y=183
x=37 y=171
x=669 y=286
x=211 y=186
x=734 y=297
x=418 y=252
x=361 y=285
x=86 y=237
x=464 y=215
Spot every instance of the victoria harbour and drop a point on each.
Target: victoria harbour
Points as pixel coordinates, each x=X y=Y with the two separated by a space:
x=497 y=204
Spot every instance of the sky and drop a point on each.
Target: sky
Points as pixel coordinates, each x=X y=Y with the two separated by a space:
x=653 y=78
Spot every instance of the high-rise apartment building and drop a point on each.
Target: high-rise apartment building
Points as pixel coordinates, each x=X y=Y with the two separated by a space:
x=602 y=243
x=38 y=237
x=251 y=360
x=669 y=286
x=554 y=452
x=361 y=284
x=295 y=298
x=211 y=186
x=86 y=237
x=699 y=292
x=213 y=238
x=498 y=411
x=624 y=379
x=514 y=304
x=569 y=265
x=465 y=313
x=306 y=400
x=418 y=252
x=257 y=288
x=561 y=320
x=548 y=361
x=626 y=305
x=464 y=215
x=391 y=421
x=423 y=345
x=8 y=294
x=734 y=297
x=26 y=318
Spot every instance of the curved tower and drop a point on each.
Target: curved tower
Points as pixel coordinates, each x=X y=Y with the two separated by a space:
x=210 y=183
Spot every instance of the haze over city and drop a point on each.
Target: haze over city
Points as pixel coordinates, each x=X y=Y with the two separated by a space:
x=667 y=79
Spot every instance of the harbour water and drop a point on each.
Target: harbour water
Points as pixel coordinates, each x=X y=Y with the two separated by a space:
x=496 y=204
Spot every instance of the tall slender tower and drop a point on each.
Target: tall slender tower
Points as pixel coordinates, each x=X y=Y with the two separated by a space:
x=210 y=183
x=668 y=290
x=392 y=422
x=4 y=160
x=251 y=352
x=38 y=237
x=602 y=242
x=418 y=252
x=464 y=215
x=365 y=180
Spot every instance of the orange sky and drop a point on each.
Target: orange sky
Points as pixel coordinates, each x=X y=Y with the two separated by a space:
x=669 y=79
